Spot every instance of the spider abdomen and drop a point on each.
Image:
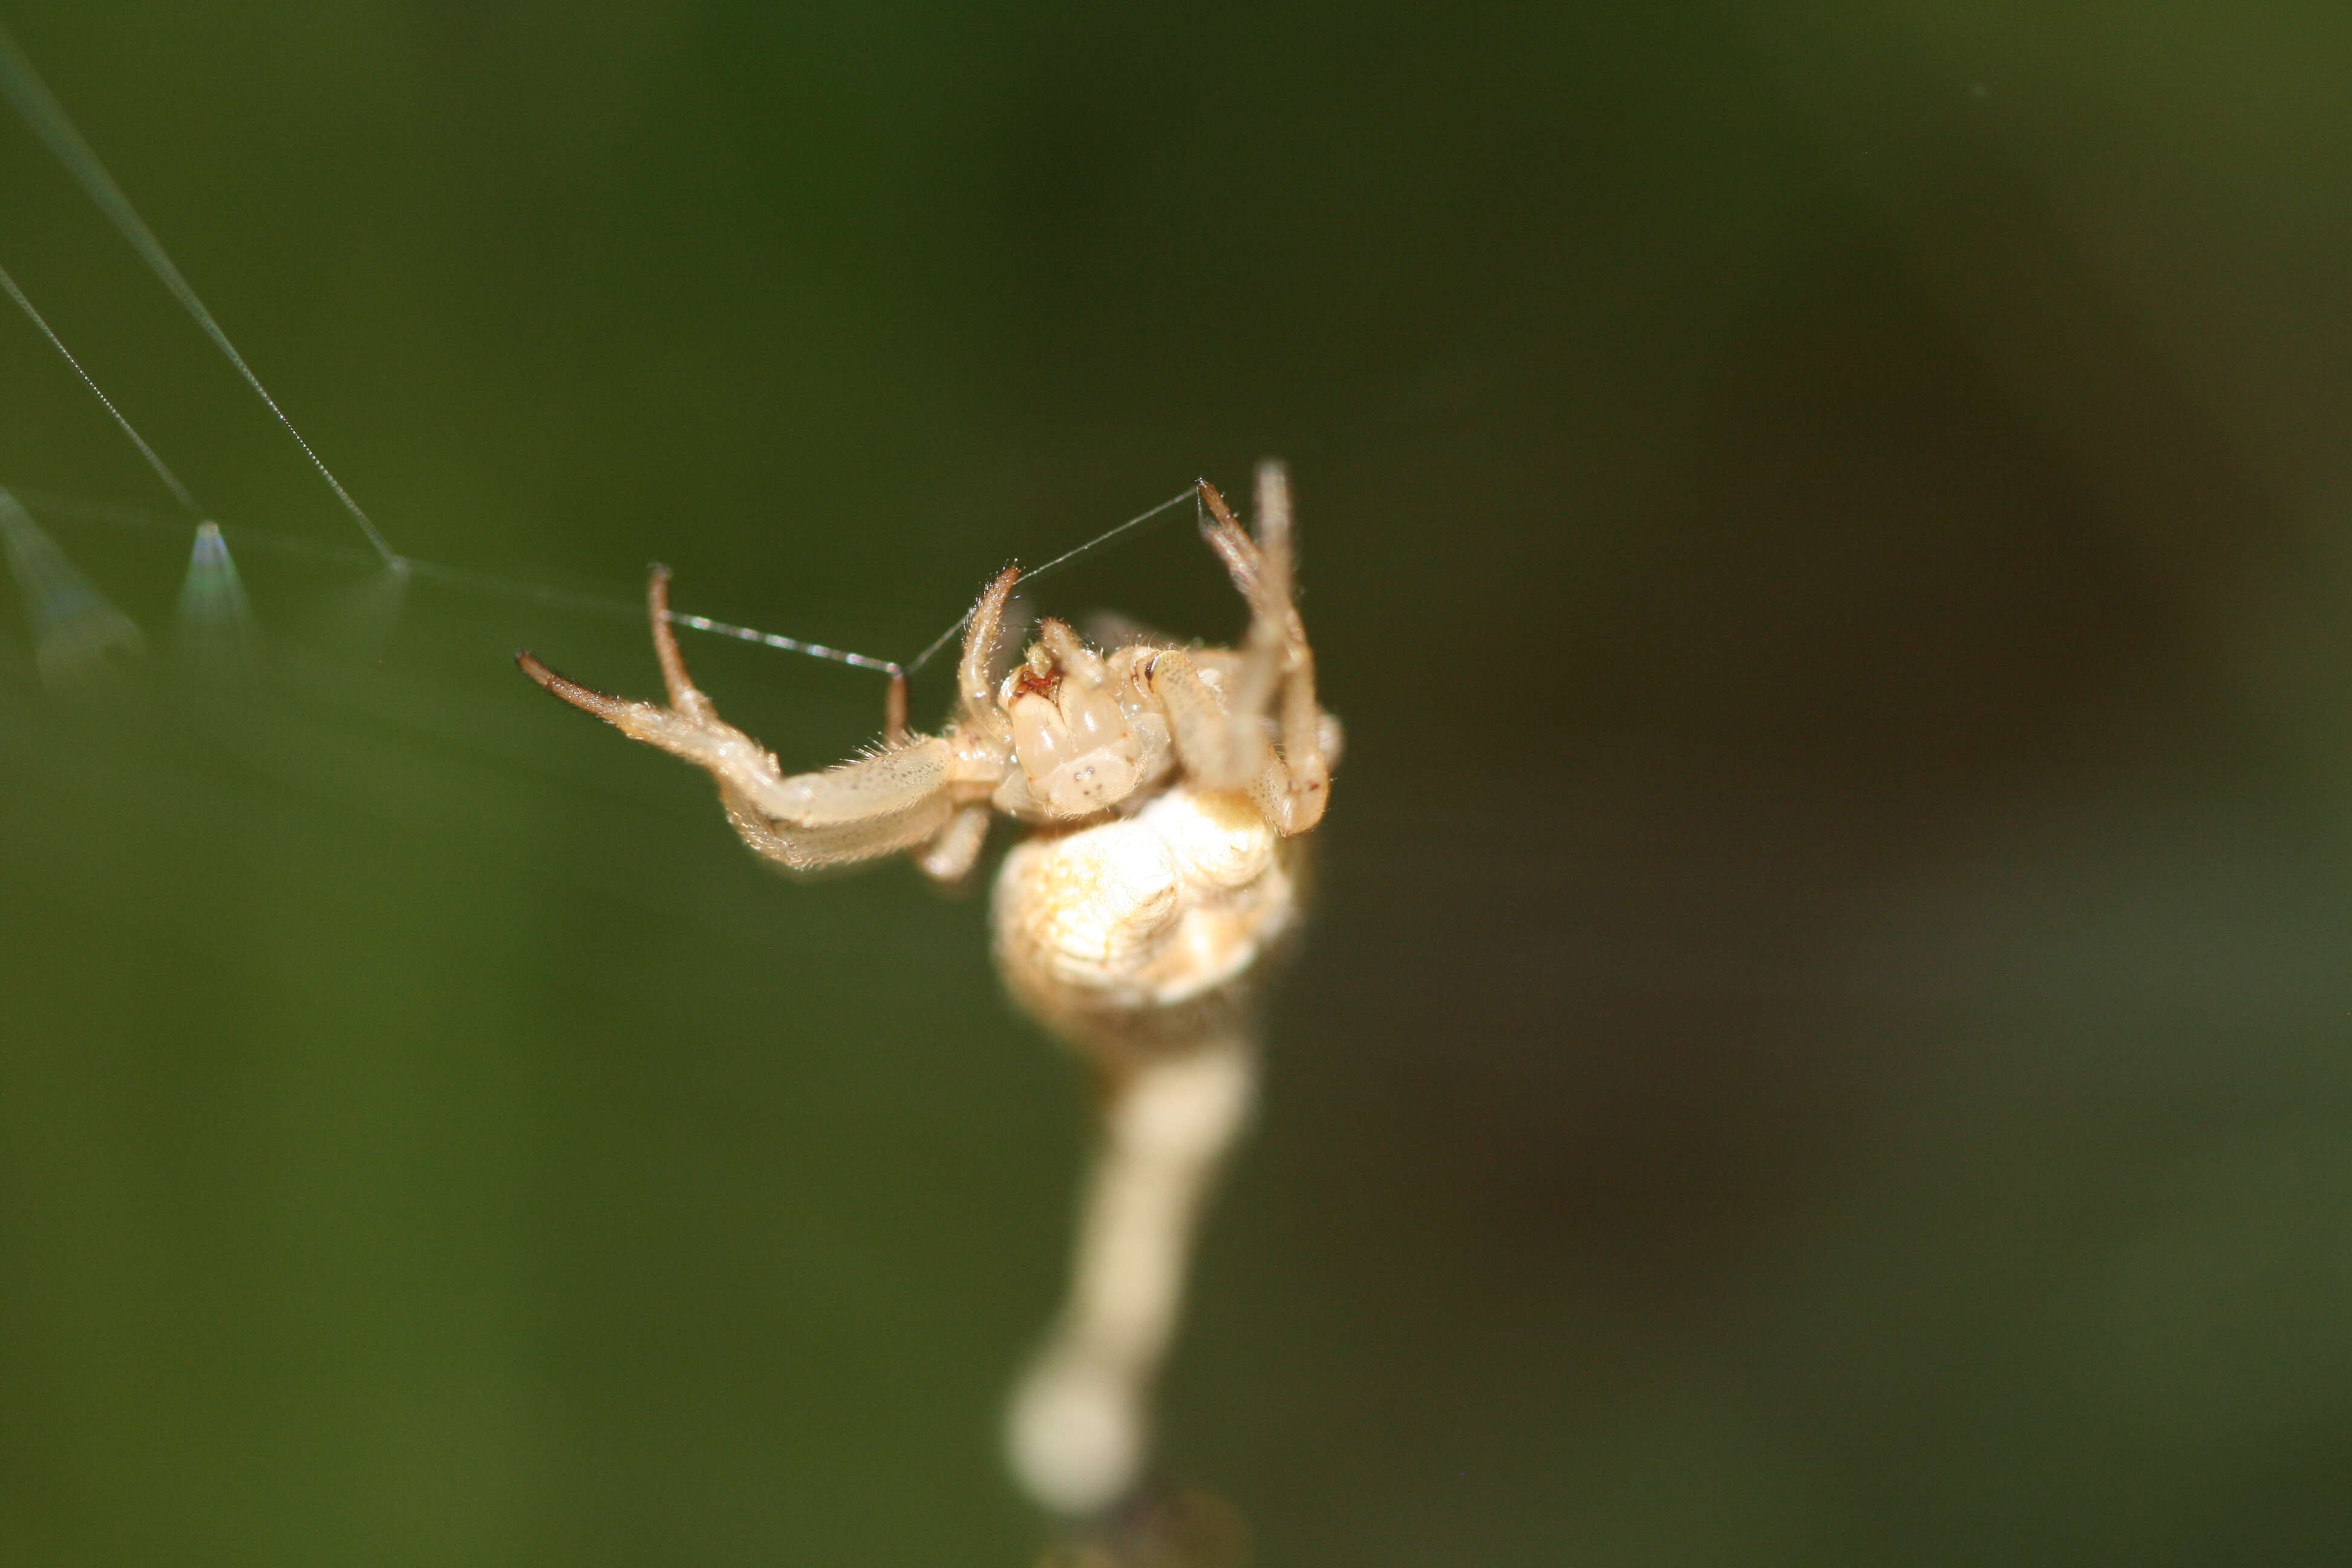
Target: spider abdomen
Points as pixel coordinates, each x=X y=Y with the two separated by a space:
x=1157 y=913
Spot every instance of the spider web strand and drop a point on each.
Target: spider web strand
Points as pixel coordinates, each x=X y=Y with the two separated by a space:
x=163 y=469
x=1191 y=492
x=56 y=130
x=463 y=579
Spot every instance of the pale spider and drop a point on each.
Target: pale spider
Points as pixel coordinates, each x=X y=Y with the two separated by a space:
x=1165 y=790
x=1159 y=781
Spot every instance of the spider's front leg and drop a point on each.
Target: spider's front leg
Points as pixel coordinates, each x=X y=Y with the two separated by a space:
x=1219 y=724
x=895 y=799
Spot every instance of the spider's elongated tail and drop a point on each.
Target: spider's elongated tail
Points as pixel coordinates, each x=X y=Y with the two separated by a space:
x=1080 y=1424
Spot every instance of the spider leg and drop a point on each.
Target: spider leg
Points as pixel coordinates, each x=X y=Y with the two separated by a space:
x=894 y=710
x=955 y=848
x=1219 y=726
x=1217 y=752
x=982 y=630
x=1070 y=654
x=1277 y=635
x=684 y=696
x=890 y=800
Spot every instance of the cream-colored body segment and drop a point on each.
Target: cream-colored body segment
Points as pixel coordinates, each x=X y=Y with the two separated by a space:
x=1144 y=912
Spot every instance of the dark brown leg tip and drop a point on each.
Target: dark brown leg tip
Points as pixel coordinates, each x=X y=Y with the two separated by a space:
x=586 y=699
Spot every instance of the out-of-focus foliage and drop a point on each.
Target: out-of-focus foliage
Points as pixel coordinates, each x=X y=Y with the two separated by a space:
x=1826 y=1038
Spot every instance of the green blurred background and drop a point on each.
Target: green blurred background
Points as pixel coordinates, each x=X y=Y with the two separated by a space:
x=1825 y=1040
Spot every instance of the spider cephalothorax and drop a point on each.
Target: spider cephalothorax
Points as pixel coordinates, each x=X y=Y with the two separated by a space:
x=1086 y=734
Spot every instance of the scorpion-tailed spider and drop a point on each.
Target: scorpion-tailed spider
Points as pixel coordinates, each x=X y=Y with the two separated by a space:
x=1164 y=791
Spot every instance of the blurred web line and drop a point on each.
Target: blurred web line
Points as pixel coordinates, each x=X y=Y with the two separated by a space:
x=1191 y=492
x=485 y=583
x=50 y=123
x=79 y=638
x=488 y=584
x=49 y=119
x=163 y=469
x=215 y=621
x=491 y=584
